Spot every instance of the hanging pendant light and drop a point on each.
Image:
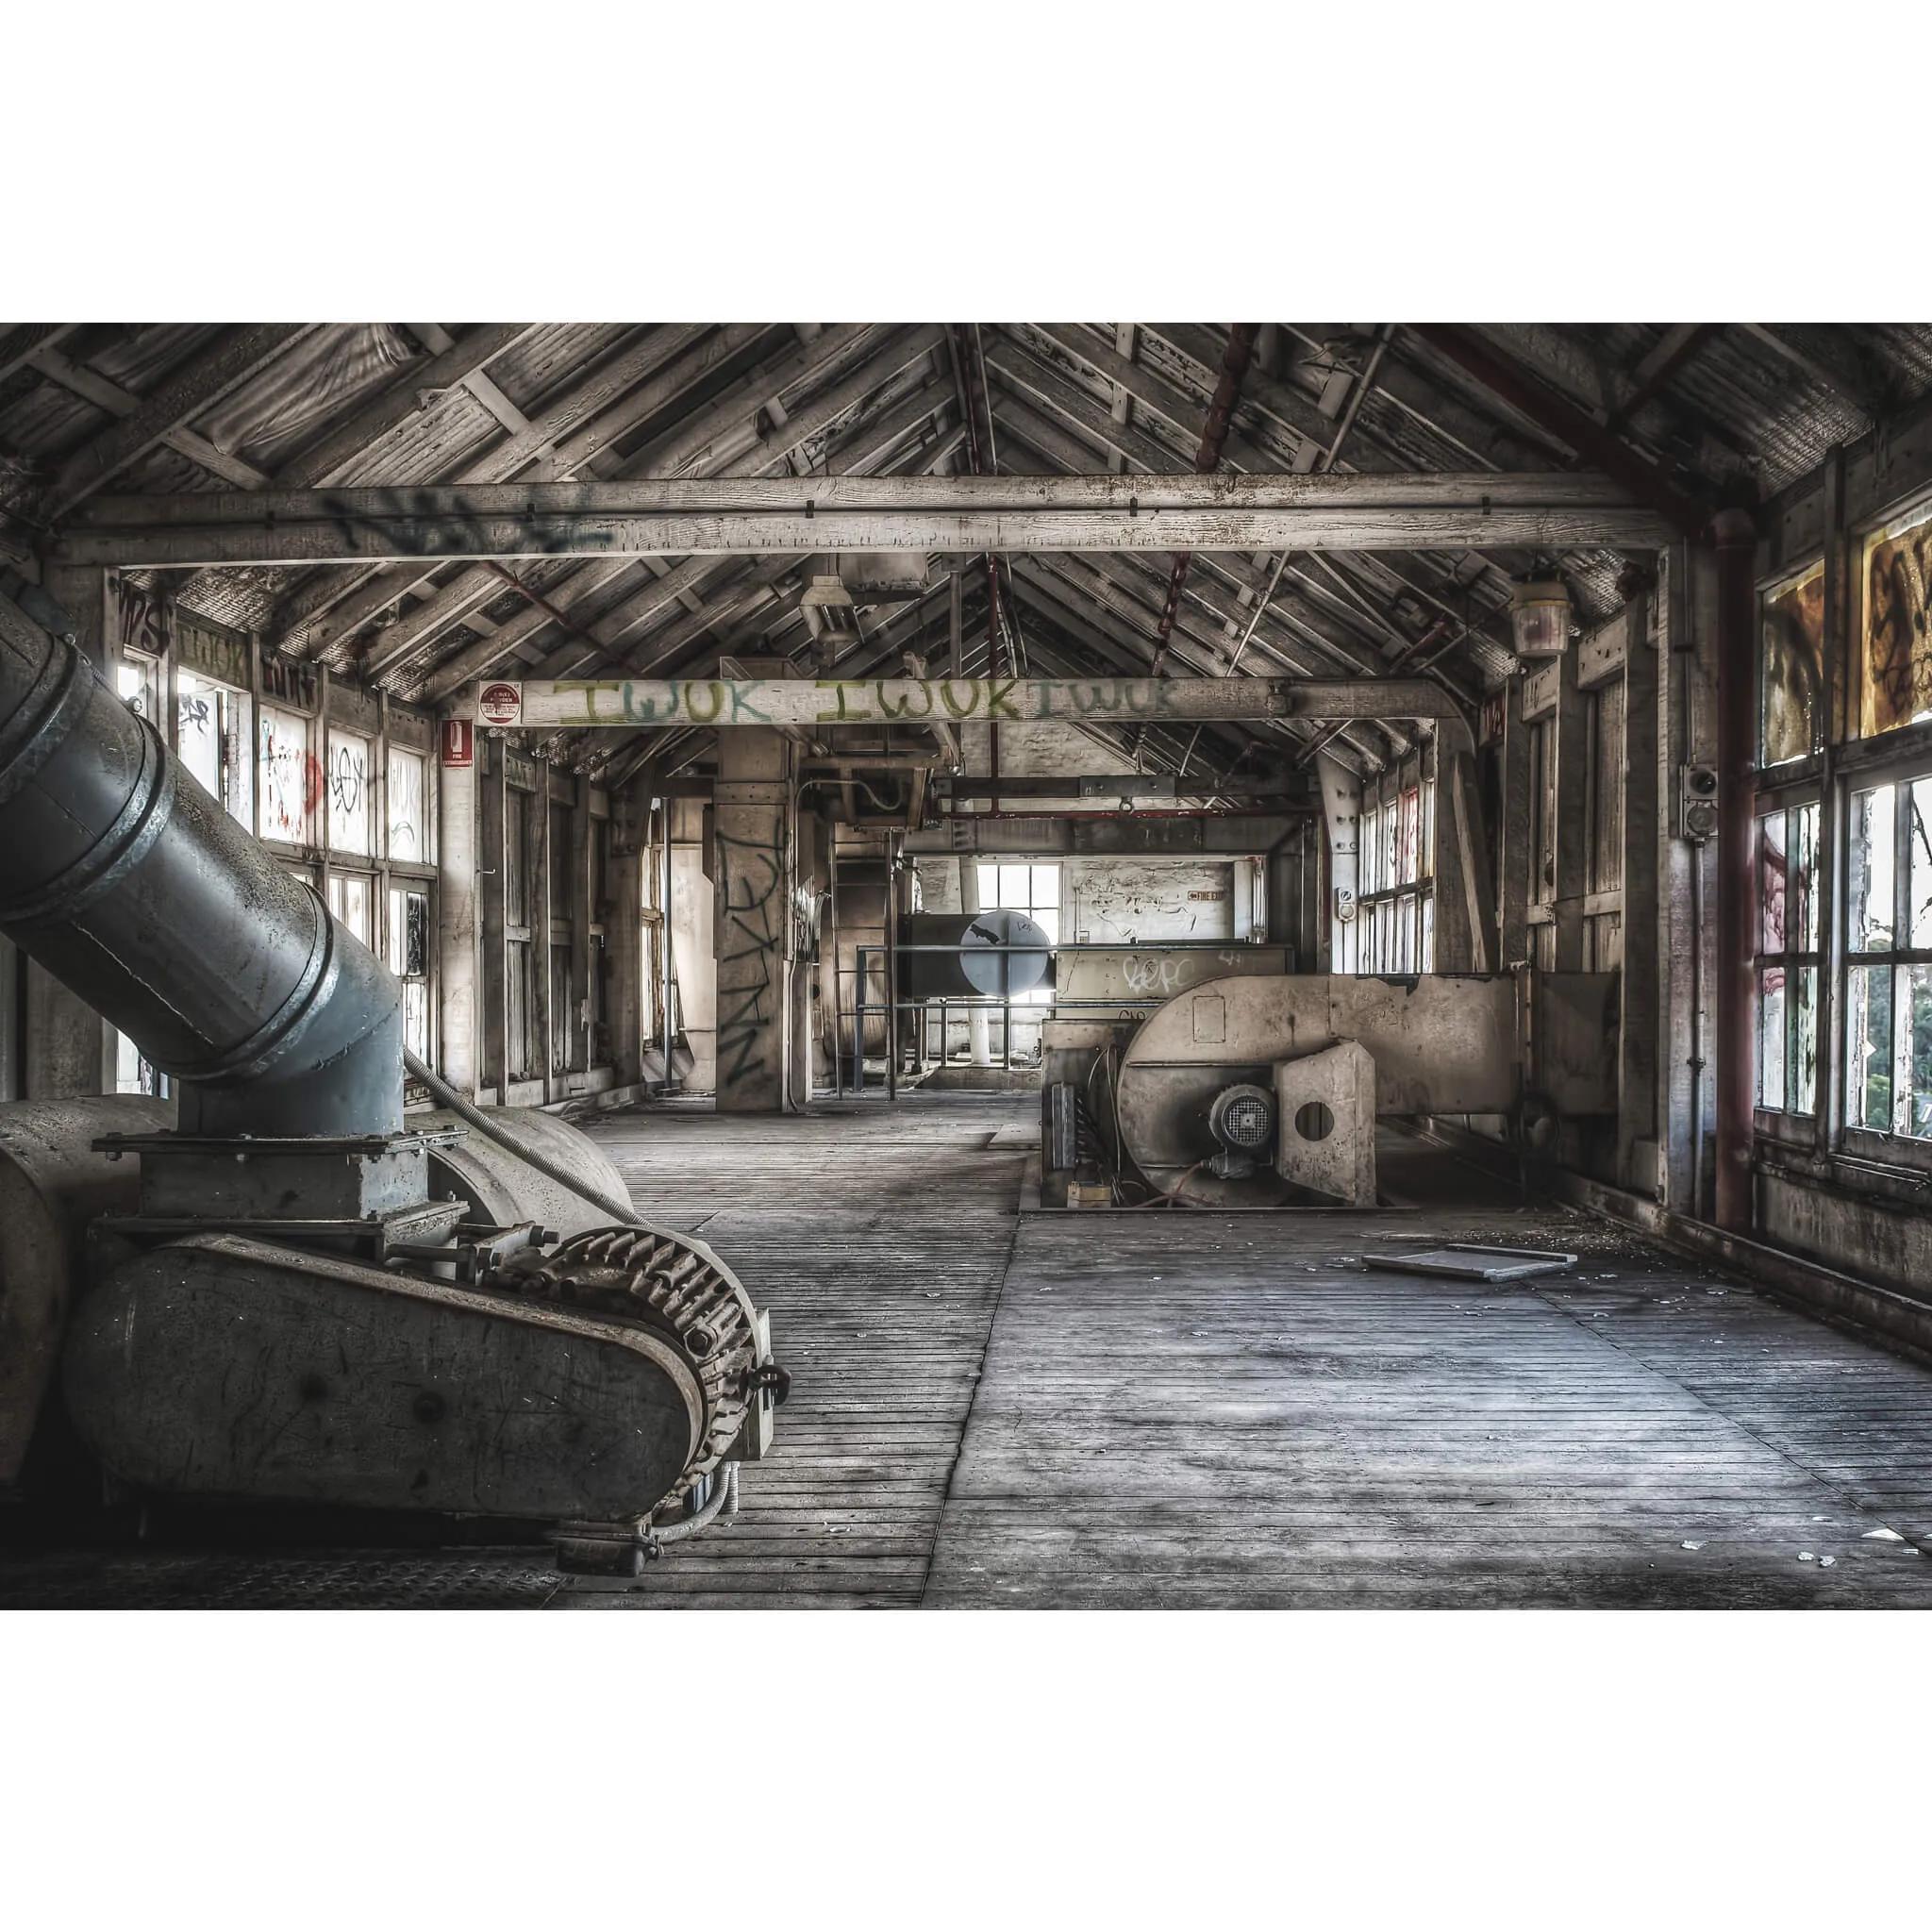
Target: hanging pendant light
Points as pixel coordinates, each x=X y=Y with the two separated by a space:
x=1539 y=617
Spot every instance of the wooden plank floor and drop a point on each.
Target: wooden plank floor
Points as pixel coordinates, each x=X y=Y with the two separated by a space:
x=1196 y=1410
x=1167 y=1408
x=878 y=1239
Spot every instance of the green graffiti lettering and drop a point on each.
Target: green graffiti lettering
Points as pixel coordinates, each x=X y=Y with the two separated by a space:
x=587 y=690
x=997 y=697
x=953 y=704
x=1089 y=698
x=742 y=706
x=642 y=709
x=902 y=707
x=713 y=691
x=841 y=692
x=1042 y=697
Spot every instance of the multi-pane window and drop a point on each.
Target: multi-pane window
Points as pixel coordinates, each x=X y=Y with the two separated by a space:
x=351 y=899
x=351 y=794
x=1896 y=622
x=1790 y=670
x=1034 y=889
x=1396 y=904
x=1787 y=955
x=409 y=960
x=288 y=778
x=408 y=806
x=213 y=737
x=1889 y=965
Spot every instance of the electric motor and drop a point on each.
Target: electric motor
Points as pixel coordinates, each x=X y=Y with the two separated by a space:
x=1243 y=1119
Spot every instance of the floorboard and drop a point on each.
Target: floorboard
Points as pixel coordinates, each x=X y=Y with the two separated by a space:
x=1173 y=1410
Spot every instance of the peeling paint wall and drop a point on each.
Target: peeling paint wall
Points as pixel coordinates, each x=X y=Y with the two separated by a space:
x=1139 y=899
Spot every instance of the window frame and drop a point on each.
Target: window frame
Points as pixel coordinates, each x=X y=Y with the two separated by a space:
x=1786 y=1122
x=1886 y=1146
x=1396 y=885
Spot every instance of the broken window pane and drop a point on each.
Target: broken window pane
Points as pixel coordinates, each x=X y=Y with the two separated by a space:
x=1921 y=846
x=1872 y=851
x=1791 y=670
x=1804 y=1067
x=1896 y=652
x=1915 y=1050
x=1771 y=882
x=1771 y=1037
x=1868 y=1048
x=1802 y=880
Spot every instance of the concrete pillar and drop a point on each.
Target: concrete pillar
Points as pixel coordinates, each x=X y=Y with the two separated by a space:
x=751 y=934
x=976 y=1017
x=456 y=901
x=625 y=890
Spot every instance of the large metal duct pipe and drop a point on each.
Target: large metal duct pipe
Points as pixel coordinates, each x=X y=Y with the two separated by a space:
x=133 y=887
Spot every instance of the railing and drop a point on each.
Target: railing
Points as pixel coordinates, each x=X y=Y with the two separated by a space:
x=1003 y=1004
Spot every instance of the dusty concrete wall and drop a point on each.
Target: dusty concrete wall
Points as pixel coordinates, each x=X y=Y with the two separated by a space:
x=1134 y=900
x=1881 y=1241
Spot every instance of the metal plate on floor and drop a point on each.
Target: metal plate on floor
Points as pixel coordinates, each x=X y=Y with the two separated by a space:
x=1465 y=1261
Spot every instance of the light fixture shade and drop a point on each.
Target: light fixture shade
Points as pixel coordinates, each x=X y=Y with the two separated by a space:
x=1539 y=617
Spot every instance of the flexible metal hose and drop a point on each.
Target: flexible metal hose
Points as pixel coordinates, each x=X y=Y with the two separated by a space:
x=476 y=1117
x=723 y=1502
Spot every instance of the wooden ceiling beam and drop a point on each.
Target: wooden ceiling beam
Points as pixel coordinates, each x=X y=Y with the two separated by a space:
x=1514 y=384
x=215 y=371
x=94 y=388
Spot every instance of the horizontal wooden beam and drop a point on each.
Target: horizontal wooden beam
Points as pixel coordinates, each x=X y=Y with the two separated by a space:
x=552 y=704
x=768 y=515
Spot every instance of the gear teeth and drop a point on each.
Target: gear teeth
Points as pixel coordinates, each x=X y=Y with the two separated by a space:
x=642 y=1278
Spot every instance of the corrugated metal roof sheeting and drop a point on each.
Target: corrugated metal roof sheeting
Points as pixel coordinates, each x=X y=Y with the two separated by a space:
x=326 y=376
x=440 y=441
x=555 y=357
x=49 y=421
x=139 y=356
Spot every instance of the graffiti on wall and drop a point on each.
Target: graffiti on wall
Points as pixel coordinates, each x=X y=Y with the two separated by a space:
x=1898 y=624
x=754 y=908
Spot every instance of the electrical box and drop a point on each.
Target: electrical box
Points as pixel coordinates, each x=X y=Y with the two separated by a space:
x=1697 y=802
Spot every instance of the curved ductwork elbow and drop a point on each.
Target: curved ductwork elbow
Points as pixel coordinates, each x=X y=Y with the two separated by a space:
x=127 y=882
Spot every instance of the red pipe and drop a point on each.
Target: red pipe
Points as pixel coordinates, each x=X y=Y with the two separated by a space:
x=1737 y=899
x=1234 y=367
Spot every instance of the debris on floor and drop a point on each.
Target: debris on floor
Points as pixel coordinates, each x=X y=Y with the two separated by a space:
x=1465 y=1261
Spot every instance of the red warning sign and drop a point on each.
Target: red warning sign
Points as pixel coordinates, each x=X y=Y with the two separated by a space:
x=500 y=703
x=458 y=743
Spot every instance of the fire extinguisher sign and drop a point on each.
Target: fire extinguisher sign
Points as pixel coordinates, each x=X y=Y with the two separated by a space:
x=458 y=743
